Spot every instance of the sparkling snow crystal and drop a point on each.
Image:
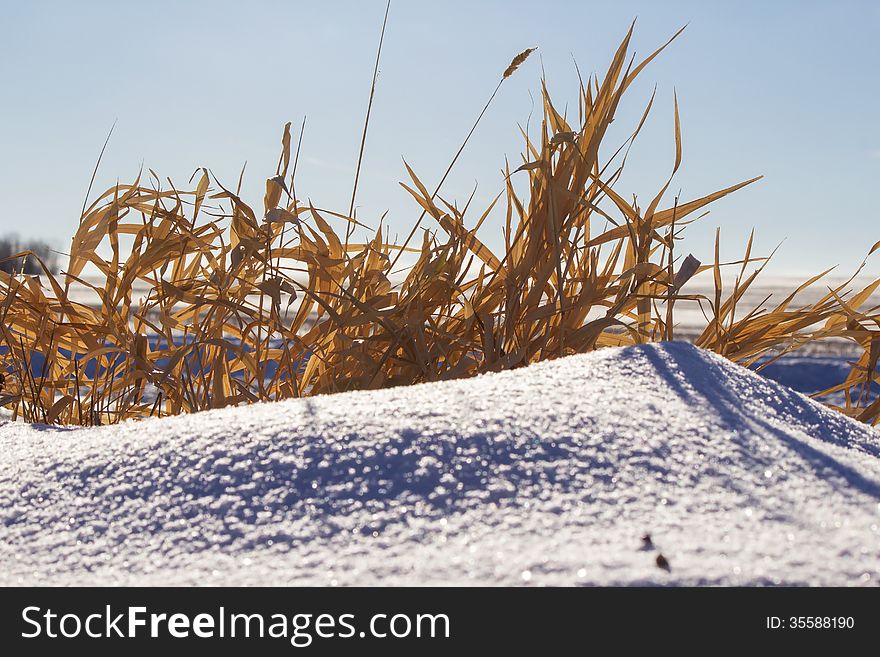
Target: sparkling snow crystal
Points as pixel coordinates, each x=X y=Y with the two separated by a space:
x=553 y=474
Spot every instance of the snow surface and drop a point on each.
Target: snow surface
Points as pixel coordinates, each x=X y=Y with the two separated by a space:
x=545 y=475
x=814 y=373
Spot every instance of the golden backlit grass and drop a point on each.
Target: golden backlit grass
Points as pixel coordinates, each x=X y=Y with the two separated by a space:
x=243 y=305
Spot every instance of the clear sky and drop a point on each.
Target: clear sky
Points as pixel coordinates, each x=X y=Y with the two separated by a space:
x=785 y=89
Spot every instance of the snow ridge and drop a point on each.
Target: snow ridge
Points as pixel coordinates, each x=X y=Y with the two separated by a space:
x=545 y=475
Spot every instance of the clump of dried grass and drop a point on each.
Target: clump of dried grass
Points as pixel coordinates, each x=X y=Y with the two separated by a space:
x=245 y=305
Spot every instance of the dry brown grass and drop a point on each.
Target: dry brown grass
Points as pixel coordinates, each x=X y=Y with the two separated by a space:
x=244 y=305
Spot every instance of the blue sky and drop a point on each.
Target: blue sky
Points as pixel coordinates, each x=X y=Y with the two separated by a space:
x=784 y=89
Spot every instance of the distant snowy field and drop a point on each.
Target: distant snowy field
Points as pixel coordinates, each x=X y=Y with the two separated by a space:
x=550 y=474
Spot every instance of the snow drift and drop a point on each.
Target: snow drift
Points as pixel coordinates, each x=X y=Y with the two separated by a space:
x=546 y=475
